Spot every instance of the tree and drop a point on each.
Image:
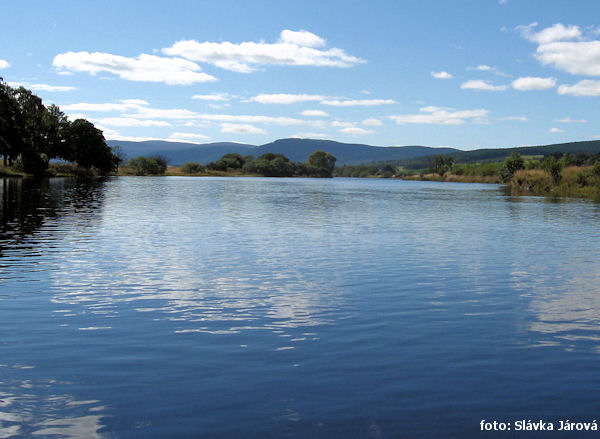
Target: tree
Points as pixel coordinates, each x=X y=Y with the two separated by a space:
x=11 y=141
x=55 y=125
x=510 y=166
x=321 y=164
x=553 y=166
x=86 y=146
x=192 y=168
x=440 y=164
x=148 y=165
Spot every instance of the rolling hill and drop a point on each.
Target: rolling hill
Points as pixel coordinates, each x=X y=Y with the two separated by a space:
x=347 y=153
x=296 y=149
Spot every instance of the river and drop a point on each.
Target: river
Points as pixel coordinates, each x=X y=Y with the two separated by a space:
x=174 y=307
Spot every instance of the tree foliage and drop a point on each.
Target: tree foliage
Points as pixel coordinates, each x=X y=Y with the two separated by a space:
x=511 y=165
x=32 y=134
x=440 y=164
x=156 y=165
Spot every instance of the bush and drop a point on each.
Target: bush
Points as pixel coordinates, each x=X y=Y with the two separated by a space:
x=148 y=166
x=192 y=168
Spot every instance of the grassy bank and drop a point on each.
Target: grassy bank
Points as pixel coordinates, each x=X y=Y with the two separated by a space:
x=573 y=181
x=454 y=178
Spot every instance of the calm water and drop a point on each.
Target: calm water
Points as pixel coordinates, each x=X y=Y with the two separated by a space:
x=293 y=308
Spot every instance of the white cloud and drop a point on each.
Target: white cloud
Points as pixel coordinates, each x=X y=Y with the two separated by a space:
x=284 y=98
x=569 y=120
x=310 y=136
x=217 y=97
x=565 y=48
x=42 y=87
x=587 y=87
x=533 y=83
x=268 y=120
x=131 y=122
x=372 y=122
x=556 y=32
x=51 y=88
x=556 y=130
x=357 y=102
x=188 y=137
x=144 y=68
x=241 y=129
x=295 y=48
x=4 y=64
x=577 y=58
x=478 y=84
x=517 y=118
x=355 y=131
x=441 y=116
x=340 y=124
x=301 y=38
x=314 y=113
x=122 y=105
x=483 y=68
x=442 y=75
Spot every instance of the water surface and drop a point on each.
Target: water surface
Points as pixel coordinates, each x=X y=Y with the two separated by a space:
x=303 y=308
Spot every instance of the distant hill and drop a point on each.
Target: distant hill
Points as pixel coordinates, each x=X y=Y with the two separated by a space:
x=347 y=153
x=500 y=154
x=296 y=149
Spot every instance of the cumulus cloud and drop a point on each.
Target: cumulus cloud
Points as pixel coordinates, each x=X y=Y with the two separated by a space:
x=43 y=87
x=441 y=116
x=144 y=68
x=533 y=83
x=357 y=102
x=217 y=97
x=131 y=122
x=478 y=84
x=188 y=137
x=556 y=32
x=4 y=64
x=356 y=131
x=310 y=136
x=575 y=57
x=566 y=48
x=482 y=68
x=301 y=38
x=284 y=98
x=442 y=75
x=122 y=105
x=569 y=120
x=587 y=87
x=294 y=48
x=556 y=130
x=314 y=113
x=241 y=129
x=517 y=118
x=372 y=122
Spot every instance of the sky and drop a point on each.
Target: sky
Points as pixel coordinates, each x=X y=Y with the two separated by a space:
x=462 y=73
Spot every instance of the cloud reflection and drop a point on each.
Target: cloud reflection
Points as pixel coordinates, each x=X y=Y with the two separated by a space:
x=48 y=416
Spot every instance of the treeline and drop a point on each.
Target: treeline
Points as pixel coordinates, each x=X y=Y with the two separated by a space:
x=319 y=164
x=32 y=134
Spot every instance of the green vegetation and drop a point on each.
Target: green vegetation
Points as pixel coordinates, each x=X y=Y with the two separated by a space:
x=319 y=164
x=31 y=135
x=155 y=165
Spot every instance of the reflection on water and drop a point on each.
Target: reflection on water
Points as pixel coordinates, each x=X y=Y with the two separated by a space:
x=31 y=409
x=208 y=307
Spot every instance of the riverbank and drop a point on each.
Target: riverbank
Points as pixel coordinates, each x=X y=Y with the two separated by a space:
x=577 y=182
x=454 y=178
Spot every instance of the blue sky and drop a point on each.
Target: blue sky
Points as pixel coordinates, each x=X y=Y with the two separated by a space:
x=468 y=74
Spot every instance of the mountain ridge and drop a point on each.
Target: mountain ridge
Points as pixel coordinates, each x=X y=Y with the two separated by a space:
x=179 y=153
